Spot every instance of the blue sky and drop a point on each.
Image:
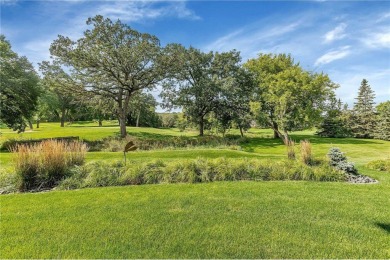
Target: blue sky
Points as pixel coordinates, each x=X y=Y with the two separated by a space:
x=348 y=40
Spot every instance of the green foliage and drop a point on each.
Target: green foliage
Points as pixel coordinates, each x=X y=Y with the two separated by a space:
x=202 y=83
x=113 y=61
x=43 y=165
x=338 y=160
x=19 y=90
x=379 y=165
x=143 y=111
x=363 y=112
x=99 y=174
x=62 y=86
x=335 y=121
x=289 y=98
x=382 y=130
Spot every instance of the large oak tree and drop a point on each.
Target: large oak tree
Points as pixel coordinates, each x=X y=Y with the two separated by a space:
x=112 y=60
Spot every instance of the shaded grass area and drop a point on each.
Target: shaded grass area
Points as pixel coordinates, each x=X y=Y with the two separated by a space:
x=214 y=220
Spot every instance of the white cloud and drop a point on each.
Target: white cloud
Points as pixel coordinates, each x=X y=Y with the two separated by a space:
x=249 y=40
x=336 y=34
x=378 y=39
x=333 y=55
x=135 y=11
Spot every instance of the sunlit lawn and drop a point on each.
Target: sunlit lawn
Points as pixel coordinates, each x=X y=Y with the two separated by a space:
x=215 y=220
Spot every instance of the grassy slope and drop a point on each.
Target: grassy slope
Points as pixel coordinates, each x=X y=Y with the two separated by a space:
x=214 y=220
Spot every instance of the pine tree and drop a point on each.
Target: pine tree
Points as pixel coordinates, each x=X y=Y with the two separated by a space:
x=333 y=124
x=382 y=130
x=364 y=114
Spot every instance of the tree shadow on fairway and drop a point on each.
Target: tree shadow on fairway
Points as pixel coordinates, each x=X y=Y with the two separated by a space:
x=325 y=140
x=384 y=226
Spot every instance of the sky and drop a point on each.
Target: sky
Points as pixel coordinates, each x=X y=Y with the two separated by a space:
x=348 y=40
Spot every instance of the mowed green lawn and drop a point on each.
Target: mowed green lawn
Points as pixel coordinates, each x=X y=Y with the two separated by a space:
x=214 y=220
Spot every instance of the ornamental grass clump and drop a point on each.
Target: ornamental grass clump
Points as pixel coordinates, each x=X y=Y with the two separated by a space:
x=43 y=165
x=290 y=144
x=306 y=154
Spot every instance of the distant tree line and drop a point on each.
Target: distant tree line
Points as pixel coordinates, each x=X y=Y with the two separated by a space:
x=364 y=120
x=109 y=73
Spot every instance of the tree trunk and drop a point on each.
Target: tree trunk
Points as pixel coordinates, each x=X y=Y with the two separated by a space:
x=30 y=124
x=138 y=116
x=276 y=130
x=63 y=113
x=100 y=122
x=201 y=126
x=38 y=121
x=122 y=123
x=241 y=132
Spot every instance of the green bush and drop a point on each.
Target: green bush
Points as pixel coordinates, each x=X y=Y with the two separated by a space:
x=379 y=165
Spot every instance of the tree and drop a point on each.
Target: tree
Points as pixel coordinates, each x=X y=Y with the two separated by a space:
x=333 y=124
x=62 y=85
x=363 y=111
x=19 y=90
x=382 y=130
x=202 y=83
x=112 y=60
x=289 y=97
x=143 y=111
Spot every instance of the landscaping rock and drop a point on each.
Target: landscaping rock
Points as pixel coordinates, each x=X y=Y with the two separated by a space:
x=358 y=178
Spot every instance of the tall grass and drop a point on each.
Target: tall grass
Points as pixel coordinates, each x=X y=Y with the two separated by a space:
x=43 y=165
x=306 y=154
x=100 y=174
x=290 y=145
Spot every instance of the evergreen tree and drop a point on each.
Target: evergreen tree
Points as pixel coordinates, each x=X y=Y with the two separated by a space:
x=364 y=114
x=382 y=130
x=334 y=123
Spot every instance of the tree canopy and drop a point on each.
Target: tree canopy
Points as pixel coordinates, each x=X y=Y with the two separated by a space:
x=289 y=97
x=19 y=90
x=201 y=82
x=112 y=60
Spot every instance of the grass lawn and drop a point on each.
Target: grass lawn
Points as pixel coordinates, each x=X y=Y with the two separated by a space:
x=214 y=220
x=283 y=219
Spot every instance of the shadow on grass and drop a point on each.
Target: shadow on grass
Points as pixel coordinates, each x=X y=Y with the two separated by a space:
x=145 y=135
x=384 y=226
x=325 y=140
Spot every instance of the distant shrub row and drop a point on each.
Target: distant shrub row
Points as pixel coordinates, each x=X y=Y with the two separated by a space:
x=99 y=174
x=117 y=144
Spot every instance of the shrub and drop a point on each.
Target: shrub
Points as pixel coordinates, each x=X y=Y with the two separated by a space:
x=306 y=155
x=379 y=165
x=173 y=142
x=338 y=160
x=42 y=165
